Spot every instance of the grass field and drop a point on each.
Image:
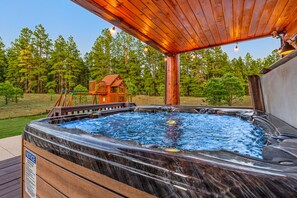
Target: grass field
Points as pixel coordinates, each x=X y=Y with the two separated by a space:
x=31 y=104
x=15 y=126
x=14 y=116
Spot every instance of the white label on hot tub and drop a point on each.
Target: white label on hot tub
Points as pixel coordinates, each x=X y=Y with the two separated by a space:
x=30 y=173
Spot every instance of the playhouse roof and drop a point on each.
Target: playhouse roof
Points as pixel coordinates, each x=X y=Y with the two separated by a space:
x=177 y=26
x=117 y=83
x=109 y=79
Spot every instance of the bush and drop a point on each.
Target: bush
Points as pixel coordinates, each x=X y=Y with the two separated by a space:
x=225 y=90
x=10 y=92
x=214 y=91
x=234 y=90
x=7 y=90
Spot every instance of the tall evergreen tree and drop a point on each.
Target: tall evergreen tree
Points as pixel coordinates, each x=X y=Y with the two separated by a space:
x=127 y=60
x=271 y=58
x=41 y=51
x=216 y=61
x=99 y=58
x=191 y=74
x=26 y=66
x=74 y=64
x=58 y=65
x=14 y=68
x=3 y=61
x=154 y=71
x=253 y=66
x=84 y=75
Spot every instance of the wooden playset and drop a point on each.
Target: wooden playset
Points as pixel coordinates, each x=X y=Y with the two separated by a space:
x=111 y=88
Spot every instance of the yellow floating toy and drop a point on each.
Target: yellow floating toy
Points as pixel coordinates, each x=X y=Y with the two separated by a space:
x=173 y=150
x=171 y=122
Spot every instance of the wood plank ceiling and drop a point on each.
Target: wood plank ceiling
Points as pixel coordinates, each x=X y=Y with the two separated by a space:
x=175 y=26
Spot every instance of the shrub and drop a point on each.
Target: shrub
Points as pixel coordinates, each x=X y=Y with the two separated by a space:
x=225 y=90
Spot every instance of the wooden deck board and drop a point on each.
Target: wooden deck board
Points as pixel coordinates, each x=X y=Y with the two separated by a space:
x=10 y=177
x=9 y=162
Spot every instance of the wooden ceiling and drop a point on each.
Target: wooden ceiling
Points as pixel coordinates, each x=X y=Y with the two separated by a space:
x=175 y=26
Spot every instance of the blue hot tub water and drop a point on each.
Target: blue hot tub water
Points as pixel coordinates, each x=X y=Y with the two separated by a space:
x=185 y=131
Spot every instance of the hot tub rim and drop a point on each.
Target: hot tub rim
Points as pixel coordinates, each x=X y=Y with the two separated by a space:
x=249 y=114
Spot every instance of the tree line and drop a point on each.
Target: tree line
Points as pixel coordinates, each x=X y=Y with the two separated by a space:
x=37 y=64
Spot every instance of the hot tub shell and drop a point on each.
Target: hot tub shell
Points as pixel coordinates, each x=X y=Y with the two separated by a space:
x=71 y=162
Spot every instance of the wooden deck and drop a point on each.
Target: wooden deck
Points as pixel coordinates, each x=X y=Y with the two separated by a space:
x=10 y=177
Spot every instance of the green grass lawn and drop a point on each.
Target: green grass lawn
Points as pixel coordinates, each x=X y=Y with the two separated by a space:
x=15 y=126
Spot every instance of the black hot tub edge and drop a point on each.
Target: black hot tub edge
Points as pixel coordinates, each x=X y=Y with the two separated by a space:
x=162 y=173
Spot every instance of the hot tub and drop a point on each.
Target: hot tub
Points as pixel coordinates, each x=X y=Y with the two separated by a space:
x=75 y=162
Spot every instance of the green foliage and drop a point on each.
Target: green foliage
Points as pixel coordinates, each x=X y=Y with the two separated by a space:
x=192 y=74
x=99 y=59
x=233 y=89
x=58 y=67
x=214 y=91
x=271 y=58
x=37 y=64
x=80 y=88
x=7 y=90
x=19 y=73
x=18 y=93
x=10 y=92
x=131 y=88
x=67 y=67
x=28 y=60
x=3 y=61
x=41 y=49
x=225 y=90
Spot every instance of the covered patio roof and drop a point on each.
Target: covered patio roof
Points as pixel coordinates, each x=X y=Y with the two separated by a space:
x=175 y=26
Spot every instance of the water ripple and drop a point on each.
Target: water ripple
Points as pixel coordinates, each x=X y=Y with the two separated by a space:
x=186 y=131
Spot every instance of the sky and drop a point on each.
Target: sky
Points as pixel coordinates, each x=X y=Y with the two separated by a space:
x=63 y=17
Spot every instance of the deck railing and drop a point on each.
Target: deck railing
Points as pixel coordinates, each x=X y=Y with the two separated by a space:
x=61 y=111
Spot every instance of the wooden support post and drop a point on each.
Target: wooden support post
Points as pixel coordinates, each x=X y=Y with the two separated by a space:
x=256 y=92
x=172 y=96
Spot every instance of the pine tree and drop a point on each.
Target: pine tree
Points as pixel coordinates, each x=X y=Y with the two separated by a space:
x=83 y=77
x=58 y=65
x=3 y=61
x=12 y=73
x=99 y=58
x=185 y=76
x=73 y=64
x=154 y=65
x=25 y=63
x=41 y=50
x=271 y=58
x=127 y=60
x=24 y=42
